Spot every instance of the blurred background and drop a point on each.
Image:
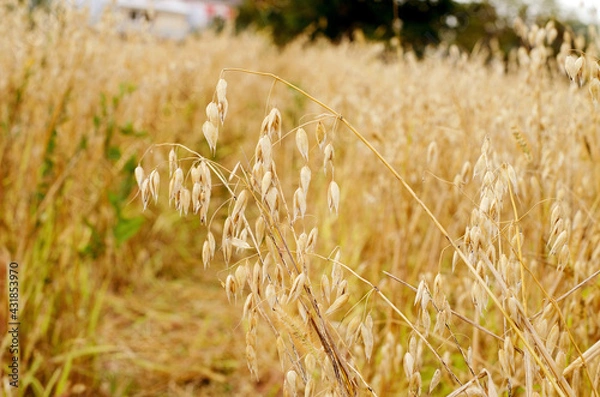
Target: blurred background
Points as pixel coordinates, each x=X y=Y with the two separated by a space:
x=418 y=23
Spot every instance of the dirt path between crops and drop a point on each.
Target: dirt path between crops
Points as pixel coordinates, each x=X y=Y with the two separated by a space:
x=178 y=338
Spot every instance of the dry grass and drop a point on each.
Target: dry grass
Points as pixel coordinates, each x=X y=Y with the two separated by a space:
x=402 y=227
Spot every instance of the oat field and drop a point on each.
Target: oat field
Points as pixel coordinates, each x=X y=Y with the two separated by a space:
x=218 y=217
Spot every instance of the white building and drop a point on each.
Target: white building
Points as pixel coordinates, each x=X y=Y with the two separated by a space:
x=166 y=18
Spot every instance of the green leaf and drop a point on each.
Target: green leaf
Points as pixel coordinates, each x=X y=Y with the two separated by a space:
x=126 y=228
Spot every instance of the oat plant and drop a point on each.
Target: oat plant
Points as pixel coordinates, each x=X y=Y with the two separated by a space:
x=329 y=321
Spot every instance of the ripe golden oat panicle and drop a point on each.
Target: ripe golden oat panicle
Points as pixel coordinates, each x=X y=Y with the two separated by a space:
x=574 y=67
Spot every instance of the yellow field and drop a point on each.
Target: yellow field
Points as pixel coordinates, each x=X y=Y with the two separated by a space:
x=382 y=225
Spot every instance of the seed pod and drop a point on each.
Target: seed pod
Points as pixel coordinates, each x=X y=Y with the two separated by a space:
x=297 y=287
x=222 y=104
x=352 y=330
x=435 y=380
x=299 y=203
x=206 y=256
x=265 y=184
x=321 y=134
x=409 y=363
x=302 y=143
x=271 y=295
x=366 y=334
x=212 y=244
x=195 y=173
x=139 y=176
x=230 y=288
x=573 y=66
x=311 y=242
x=309 y=389
x=328 y=157
x=211 y=133
x=241 y=277
x=172 y=162
x=305 y=176
x=145 y=193
x=221 y=89
x=248 y=306
x=240 y=204
x=223 y=107
x=275 y=123
x=252 y=360
x=227 y=248
x=262 y=152
x=185 y=201
x=559 y=243
x=205 y=178
x=272 y=199
x=291 y=378
x=212 y=112
x=337 y=304
x=154 y=184
x=196 y=194
x=259 y=229
x=333 y=197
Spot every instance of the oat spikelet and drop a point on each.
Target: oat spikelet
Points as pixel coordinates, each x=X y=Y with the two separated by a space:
x=329 y=156
x=259 y=229
x=252 y=360
x=311 y=242
x=263 y=151
x=297 y=287
x=366 y=333
x=146 y=192
x=240 y=204
x=241 y=276
x=206 y=254
x=271 y=295
x=195 y=172
x=299 y=203
x=230 y=288
x=435 y=380
x=594 y=88
x=309 y=389
x=212 y=113
x=305 y=177
x=573 y=66
x=154 y=184
x=291 y=380
x=409 y=364
x=211 y=133
x=185 y=201
x=222 y=103
x=559 y=243
x=265 y=184
x=321 y=134
x=302 y=143
x=172 y=162
x=196 y=195
x=333 y=197
x=337 y=304
x=139 y=176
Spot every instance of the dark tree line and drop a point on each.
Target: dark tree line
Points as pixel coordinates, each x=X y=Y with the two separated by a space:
x=423 y=22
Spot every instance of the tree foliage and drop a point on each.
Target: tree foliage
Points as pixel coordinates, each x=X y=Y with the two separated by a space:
x=419 y=23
